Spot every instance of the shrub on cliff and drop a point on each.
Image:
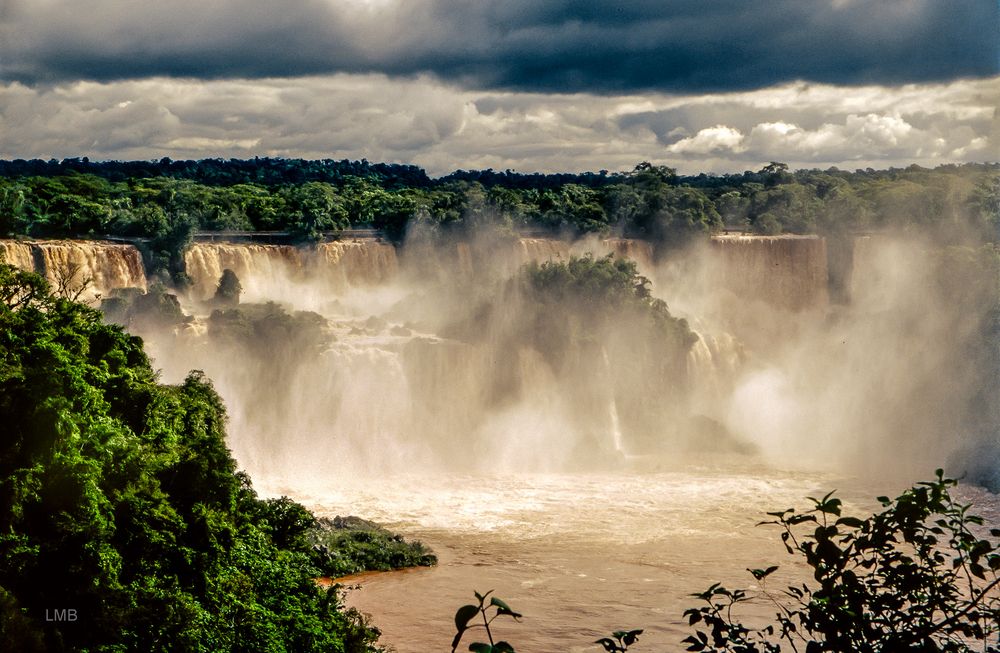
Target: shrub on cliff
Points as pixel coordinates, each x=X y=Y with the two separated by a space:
x=123 y=523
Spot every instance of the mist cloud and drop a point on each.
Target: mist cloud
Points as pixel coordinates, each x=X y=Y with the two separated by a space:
x=556 y=46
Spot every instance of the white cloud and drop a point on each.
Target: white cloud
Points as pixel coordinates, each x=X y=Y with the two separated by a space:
x=710 y=140
x=443 y=127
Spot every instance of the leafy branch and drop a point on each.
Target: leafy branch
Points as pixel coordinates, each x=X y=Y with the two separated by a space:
x=467 y=613
x=912 y=577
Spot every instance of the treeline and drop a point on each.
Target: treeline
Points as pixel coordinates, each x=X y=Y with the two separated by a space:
x=166 y=200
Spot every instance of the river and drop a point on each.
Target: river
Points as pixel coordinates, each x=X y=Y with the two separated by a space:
x=582 y=555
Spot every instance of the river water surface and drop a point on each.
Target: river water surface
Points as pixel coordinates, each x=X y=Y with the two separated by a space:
x=582 y=555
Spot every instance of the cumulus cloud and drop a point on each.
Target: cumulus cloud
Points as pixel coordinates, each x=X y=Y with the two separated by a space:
x=548 y=46
x=443 y=127
x=711 y=139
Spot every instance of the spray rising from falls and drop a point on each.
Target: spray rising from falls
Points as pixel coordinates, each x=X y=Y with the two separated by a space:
x=442 y=358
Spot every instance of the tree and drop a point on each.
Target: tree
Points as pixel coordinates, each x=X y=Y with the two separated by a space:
x=315 y=207
x=119 y=499
x=917 y=576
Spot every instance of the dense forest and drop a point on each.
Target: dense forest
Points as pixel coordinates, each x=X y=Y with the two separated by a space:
x=120 y=501
x=166 y=200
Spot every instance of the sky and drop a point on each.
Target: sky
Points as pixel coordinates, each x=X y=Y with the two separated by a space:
x=530 y=85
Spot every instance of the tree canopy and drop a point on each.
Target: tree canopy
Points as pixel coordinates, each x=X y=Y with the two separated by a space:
x=120 y=500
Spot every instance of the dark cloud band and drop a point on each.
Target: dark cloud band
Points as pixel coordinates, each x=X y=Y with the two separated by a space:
x=555 y=46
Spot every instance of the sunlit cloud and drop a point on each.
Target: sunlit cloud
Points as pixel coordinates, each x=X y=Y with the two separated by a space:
x=443 y=127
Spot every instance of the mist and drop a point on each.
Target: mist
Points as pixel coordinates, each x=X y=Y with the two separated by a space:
x=436 y=357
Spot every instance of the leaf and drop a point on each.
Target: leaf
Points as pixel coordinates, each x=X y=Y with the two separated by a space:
x=503 y=608
x=503 y=647
x=761 y=574
x=853 y=522
x=631 y=636
x=480 y=647
x=609 y=644
x=464 y=615
x=482 y=597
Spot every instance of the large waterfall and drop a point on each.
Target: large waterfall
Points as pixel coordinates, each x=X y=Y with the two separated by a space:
x=451 y=357
x=87 y=269
x=788 y=272
x=266 y=271
x=413 y=364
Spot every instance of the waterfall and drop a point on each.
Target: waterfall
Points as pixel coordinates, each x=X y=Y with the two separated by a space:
x=540 y=250
x=265 y=271
x=639 y=251
x=356 y=262
x=712 y=364
x=788 y=272
x=262 y=269
x=18 y=254
x=93 y=267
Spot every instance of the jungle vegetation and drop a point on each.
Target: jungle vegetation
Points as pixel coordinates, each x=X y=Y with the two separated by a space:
x=166 y=200
x=120 y=502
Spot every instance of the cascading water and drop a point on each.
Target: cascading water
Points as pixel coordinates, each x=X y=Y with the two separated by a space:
x=266 y=272
x=87 y=269
x=788 y=272
x=18 y=254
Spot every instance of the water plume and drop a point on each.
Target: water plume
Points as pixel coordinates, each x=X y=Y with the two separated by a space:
x=359 y=357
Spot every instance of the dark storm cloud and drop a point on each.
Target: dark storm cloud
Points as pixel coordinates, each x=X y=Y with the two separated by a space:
x=556 y=46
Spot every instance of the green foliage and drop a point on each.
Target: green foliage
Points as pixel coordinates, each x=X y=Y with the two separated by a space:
x=586 y=295
x=465 y=615
x=119 y=499
x=137 y=310
x=349 y=545
x=622 y=640
x=166 y=201
x=249 y=327
x=573 y=206
x=921 y=575
x=315 y=207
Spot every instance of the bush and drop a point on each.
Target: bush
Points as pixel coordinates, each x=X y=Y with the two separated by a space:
x=348 y=545
x=917 y=576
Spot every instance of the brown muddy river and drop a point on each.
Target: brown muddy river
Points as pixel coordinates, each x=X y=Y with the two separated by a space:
x=582 y=555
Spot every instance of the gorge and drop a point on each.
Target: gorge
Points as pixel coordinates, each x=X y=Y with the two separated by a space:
x=429 y=387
